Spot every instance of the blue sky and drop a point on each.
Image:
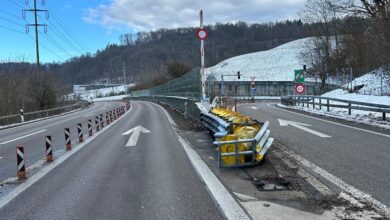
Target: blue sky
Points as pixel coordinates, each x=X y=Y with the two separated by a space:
x=96 y=23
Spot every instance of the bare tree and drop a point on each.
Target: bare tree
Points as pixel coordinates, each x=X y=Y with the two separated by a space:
x=325 y=39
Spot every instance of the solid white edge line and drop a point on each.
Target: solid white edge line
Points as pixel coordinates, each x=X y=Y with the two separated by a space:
x=331 y=122
x=28 y=135
x=224 y=199
x=44 y=171
x=356 y=193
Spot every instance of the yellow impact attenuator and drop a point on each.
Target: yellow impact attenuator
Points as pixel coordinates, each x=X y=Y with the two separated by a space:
x=245 y=132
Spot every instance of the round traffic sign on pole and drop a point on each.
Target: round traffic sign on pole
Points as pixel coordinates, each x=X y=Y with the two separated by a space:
x=300 y=88
x=201 y=34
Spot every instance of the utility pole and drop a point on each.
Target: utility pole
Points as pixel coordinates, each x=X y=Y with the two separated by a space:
x=35 y=10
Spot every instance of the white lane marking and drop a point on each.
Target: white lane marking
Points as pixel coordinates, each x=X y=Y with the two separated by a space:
x=302 y=127
x=44 y=171
x=228 y=205
x=88 y=115
x=358 y=194
x=1 y=158
x=6 y=142
x=253 y=108
x=134 y=134
x=331 y=122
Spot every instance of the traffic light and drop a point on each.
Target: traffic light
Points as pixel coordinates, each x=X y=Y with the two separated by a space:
x=238 y=75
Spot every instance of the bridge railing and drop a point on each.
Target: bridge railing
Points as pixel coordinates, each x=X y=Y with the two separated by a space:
x=325 y=102
x=29 y=116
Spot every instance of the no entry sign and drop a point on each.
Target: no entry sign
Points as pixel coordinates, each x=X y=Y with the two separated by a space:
x=300 y=88
x=201 y=34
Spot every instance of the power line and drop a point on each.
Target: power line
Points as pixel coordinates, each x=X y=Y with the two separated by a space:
x=54 y=43
x=43 y=45
x=16 y=3
x=47 y=48
x=63 y=37
x=9 y=14
x=11 y=29
x=67 y=30
x=10 y=21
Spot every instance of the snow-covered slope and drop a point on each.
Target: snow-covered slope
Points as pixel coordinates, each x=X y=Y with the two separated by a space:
x=277 y=64
x=371 y=91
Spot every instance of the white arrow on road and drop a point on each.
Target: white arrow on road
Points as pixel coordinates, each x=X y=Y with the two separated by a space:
x=253 y=108
x=302 y=127
x=134 y=135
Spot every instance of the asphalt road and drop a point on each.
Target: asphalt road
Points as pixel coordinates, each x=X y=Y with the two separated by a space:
x=32 y=136
x=360 y=158
x=107 y=180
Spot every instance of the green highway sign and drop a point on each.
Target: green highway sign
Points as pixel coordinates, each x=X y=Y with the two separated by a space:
x=301 y=76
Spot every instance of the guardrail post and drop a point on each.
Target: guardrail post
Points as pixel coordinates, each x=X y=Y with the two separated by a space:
x=90 y=132
x=327 y=105
x=97 y=123
x=349 y=109
x=68 y=143
x=320 y=103
x=49 y=149
x=384 y=116
x=101 y=121
x=307 y=101
x=80 y=132
x=107 y=119
x=314 y=103
x=21 y=166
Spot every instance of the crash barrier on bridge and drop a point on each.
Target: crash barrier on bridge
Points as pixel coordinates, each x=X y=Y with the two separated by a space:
x=241 y=140
x=20 y=150
x=28 y=116
x=185 y=105
x=320 y=102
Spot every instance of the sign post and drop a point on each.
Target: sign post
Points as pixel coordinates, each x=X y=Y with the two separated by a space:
x=299 y=79
x=202 y=35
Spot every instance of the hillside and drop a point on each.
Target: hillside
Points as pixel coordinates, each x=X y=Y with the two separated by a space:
x=145 y=56
x=277 y=64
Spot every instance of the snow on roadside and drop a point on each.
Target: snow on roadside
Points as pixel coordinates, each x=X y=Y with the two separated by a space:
x=356 y=116
x=369 y=93
x=111 y=98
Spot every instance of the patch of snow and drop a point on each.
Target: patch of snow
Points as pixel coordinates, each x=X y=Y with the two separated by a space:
x=357 y=116
x=111 y=98
x=277 y=64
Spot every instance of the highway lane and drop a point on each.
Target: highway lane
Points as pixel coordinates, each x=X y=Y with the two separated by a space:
x=106 y=180
x=358 y=157
x=32 y=136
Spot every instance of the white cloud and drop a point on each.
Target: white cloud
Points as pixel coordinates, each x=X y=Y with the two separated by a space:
x=144 y=15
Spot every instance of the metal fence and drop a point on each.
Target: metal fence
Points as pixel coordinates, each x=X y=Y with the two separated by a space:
x=188 y=85
x=28 y=116
x=186 y=105
x=325 y=102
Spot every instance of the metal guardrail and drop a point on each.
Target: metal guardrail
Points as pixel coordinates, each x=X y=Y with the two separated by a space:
x=28 y=116
x=220 y=128
x=185 y=105
x=350 y=105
